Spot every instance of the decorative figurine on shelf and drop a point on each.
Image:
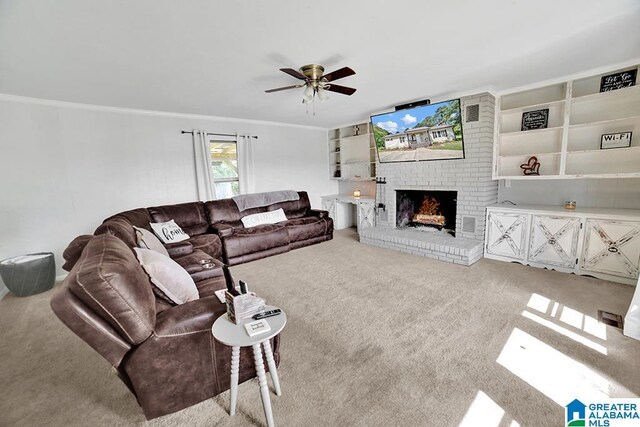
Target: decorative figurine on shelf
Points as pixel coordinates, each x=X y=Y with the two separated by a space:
x=356 y=130
x=532 y=167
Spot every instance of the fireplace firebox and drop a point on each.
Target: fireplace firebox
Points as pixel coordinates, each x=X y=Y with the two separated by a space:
x=427 y=209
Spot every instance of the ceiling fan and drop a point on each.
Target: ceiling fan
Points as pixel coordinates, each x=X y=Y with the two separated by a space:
x=316 y=82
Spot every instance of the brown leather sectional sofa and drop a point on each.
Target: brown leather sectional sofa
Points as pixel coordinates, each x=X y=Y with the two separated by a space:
x=164 y=353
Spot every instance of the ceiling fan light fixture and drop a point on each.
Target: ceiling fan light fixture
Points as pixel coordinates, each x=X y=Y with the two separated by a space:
x=316 y=83
x=309 y=92
x=323 y=95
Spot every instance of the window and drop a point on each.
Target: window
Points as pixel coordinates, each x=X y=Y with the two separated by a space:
x=224 y=167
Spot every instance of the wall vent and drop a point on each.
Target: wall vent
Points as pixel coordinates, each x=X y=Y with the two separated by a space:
x=472 y=113
x=468 y=224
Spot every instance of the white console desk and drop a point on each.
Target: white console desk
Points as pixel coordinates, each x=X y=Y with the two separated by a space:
x=347 y=211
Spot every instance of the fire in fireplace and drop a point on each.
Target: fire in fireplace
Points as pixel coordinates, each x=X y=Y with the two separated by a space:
x=427 y=209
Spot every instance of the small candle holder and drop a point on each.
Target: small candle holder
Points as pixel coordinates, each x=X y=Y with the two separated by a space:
x=356 y=193
x=570 y=205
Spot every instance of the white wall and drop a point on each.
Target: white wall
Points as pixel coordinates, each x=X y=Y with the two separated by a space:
x=594 y=193
x=66 y=167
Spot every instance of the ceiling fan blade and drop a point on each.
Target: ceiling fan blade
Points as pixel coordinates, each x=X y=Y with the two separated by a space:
x=295 y=73
x=340 y=89
x=339 y=74
x=284 y=88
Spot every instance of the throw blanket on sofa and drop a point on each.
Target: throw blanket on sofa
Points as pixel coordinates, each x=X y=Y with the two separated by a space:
x=256 y=200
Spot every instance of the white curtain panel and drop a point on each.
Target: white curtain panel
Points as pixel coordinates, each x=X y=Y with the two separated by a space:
x=245 y=164
x=202 y=163
x=632 y=319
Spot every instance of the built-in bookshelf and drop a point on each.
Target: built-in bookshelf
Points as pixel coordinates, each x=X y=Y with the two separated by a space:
x=570 y=145
x=352 y=153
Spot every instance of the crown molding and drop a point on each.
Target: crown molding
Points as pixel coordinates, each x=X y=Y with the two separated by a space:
x=123 y=110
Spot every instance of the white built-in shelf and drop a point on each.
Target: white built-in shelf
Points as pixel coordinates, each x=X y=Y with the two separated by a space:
x=352 y=153
x=532 y=107
x=632 y=91
x=616 y=122
x=579 y=114
x=527 y=155
x=520 y=133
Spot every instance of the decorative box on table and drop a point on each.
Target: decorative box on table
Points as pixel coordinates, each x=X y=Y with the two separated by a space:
x=242 y=307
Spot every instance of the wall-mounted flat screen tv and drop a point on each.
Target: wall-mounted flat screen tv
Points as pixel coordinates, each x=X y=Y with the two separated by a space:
x=426 y=132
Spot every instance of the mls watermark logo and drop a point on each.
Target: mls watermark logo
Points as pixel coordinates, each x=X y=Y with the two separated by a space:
x=575 y=412
x=604 y=413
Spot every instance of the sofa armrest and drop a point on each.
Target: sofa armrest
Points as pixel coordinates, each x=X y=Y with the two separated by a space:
x=318 y=213
x=74 y=250
x=221 y=229
x=179 y=248
x=190 y=317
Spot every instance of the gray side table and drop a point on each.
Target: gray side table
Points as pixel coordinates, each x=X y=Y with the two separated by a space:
x=236 y=336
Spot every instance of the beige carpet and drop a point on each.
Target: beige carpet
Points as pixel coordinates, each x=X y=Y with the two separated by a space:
x=374 y=337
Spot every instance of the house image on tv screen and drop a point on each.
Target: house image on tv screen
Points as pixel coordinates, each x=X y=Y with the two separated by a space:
x=420 y=137
x=428 y=132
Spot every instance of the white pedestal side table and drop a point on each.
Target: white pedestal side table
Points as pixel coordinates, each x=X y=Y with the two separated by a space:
x=235 y=336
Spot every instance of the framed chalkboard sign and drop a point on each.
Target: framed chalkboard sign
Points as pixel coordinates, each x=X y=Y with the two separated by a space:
x=618 y=80
x=537 y=119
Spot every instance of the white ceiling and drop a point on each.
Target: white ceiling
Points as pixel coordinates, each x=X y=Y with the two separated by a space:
x=217 y=57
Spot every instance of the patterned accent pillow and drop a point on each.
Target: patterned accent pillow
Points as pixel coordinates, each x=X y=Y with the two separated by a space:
x=169 y=232
x=262 y=218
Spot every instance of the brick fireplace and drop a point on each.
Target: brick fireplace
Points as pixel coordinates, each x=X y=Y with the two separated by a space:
x=469 y=178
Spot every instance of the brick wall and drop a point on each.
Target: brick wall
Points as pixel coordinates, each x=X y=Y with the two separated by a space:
x=470 y=177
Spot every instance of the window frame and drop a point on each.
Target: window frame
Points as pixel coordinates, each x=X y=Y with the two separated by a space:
x=225 y=140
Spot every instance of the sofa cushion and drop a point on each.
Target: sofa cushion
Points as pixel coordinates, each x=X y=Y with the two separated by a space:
x=139 y=217
x=255 y=239
x=109 y=279
x=305 y=228
x=295 y=208
x=121 y=228
x=208 y=287
x=210 y=244
x=189 y=216
x=168 y=276
x=226 y=211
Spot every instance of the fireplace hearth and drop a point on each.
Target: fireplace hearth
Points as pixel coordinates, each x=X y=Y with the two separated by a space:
x=427 y=210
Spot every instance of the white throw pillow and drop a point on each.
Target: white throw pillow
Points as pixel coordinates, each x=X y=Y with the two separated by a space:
x=262 y=218
x=169 y=232
x=148 y=240
x=168 y=276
